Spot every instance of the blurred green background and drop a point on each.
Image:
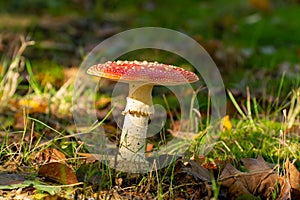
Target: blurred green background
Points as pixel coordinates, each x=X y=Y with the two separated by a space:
x=253 y=42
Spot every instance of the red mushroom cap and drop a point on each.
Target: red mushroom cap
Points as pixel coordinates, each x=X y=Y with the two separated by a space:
x=143 y=71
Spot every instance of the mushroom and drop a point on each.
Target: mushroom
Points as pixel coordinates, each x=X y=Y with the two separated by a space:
x=141 y=77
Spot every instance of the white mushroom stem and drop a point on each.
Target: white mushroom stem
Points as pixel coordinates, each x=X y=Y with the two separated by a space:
x=137 y=112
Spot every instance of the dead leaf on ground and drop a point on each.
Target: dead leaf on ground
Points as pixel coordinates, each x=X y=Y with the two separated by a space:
x=285 y=187
x=194 y=169
x=293 y=176
x=255 y=165
x=28 y=106
x=211 y=165
x=261 y=180
x=34 y=105
x=50 y=155
x=58 y=172
x=10 y=179
x=191 y=180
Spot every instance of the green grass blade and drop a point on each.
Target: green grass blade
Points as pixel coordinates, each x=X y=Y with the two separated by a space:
x=36 y=120
x=236 y=105
x=32 y=82
x=279 y=90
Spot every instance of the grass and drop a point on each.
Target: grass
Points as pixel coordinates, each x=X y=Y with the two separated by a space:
x=260 y=134
x=252 y=134
x=260 y=125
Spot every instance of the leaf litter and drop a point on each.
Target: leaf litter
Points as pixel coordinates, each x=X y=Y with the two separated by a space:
x=260 y=180
x=293 y=177
x=52 y=168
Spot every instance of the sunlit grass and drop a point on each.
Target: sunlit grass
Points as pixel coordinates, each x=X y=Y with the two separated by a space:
x=267 y=126
x=268 y=136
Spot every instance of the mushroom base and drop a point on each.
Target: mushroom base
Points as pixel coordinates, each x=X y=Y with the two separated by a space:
x=142 y=166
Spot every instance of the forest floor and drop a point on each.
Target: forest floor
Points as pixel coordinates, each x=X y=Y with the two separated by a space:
x=257 y=52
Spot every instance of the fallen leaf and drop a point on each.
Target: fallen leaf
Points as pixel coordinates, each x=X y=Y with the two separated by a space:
x=226 y=124
x=293 y=176
x=285 y=193
x=10 y=179
x=58 y=172
x=23 y=184
x=28 y=106
x=261 y=180
x=214 y=165
x=50 y=155
x=192 y=180
x=34 y=105
x=194 y=169
x=254 y=165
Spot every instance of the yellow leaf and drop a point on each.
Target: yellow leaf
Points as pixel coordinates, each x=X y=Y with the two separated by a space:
x=226 y=124
x=39 y=196
x=33 y=105
x=28 y=103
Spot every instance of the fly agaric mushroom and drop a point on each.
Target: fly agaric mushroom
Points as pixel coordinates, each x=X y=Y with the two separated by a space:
x=141 y=76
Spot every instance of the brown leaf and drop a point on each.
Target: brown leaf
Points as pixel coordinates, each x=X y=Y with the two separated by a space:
x=10 y=179
x=58 y=172
x=28 y=106
x=194 y=169
x=50 y=155
x=285 y=193
x=192 y=180
x=261 y=180
x=211 y=165
x=227 y=175
x=254 y=165
x=293 y=176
